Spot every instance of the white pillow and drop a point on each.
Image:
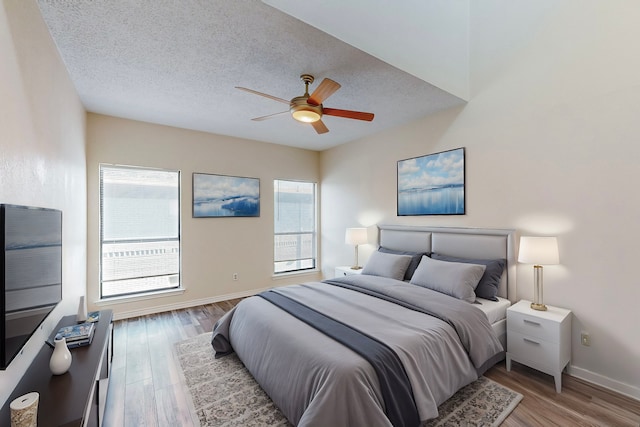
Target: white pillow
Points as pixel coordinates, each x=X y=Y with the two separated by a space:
x=456 y=279
x=387 y=265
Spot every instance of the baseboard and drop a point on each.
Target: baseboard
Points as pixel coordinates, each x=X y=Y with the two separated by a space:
x=183 y=304
x=605 y=382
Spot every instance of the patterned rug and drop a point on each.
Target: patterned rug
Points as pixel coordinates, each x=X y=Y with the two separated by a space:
x=225 y=394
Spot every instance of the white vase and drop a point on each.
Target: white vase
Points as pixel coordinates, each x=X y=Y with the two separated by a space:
x=61 y=358
x=82 y=311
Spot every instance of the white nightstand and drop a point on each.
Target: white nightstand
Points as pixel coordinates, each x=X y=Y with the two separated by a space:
x=345 y=270
x=539 y=339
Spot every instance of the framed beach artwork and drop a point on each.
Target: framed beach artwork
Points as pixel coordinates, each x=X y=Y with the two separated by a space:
x=432 y=184
x=225 y=196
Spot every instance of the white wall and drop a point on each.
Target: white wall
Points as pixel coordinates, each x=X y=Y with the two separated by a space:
x=551 y=136
x=438 y=29
x=212 y=248
x=42 y=152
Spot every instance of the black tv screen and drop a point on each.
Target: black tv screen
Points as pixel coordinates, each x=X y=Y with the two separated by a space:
x=30 y=273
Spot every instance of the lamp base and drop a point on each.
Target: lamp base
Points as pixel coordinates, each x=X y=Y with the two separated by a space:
x=356 y=267
x=539 y=307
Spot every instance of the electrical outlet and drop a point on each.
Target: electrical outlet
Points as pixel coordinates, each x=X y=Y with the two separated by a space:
x=235 y=276
x=585 y=339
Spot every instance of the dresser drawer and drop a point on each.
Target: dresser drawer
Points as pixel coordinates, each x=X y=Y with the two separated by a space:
x=538 y=327
x=533 y=351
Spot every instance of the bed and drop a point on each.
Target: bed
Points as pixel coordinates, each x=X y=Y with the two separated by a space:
x=378 y=350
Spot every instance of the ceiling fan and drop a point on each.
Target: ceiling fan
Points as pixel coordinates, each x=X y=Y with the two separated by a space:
x=308 y=108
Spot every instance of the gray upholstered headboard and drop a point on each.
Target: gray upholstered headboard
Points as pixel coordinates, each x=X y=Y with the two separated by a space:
x=479 y=243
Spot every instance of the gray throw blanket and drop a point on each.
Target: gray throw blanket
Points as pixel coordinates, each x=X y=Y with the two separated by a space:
x=394 y=383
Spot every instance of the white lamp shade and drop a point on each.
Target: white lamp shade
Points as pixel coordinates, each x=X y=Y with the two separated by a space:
x=538 y=250
x=356 y=236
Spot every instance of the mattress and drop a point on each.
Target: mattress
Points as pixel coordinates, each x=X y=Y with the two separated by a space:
x=496 y=312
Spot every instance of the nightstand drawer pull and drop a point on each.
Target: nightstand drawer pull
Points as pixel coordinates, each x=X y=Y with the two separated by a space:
x=531 y=341
x=530 y=322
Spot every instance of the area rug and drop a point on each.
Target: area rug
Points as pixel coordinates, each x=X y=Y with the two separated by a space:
x=225 y=394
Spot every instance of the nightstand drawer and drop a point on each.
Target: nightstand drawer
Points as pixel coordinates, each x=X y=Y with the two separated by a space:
x=538 y=327
x=533 y=351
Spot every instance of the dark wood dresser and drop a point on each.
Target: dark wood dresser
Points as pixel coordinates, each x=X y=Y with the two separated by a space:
x=77 y=397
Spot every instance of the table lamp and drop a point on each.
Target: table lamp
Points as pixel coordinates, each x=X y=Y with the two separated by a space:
x=356 y=237
x=538 y=251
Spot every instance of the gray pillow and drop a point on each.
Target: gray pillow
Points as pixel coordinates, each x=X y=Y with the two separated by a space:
x=490 y=280
x=415 y=259
x=452 y=278
x=387 y=265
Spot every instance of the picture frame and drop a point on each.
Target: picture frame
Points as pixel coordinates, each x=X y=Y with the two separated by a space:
x=216 y=196
x=433 y=184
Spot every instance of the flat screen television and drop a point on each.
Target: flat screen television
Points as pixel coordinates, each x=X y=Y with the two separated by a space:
x=30 y=273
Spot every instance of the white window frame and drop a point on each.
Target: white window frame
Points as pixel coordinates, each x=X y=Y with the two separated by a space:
x=148 y=292
x=313 y=233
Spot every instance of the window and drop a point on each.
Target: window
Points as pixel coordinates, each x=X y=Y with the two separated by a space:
x=139 y=230
x=294 y=226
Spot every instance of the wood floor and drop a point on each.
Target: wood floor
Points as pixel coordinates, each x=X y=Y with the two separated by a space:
x=147 y=388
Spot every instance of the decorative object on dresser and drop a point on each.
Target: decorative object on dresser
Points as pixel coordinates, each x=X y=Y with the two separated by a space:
x=538 y=251
x=93 y=317
x=75 y=335
x=356 y=237
x=539 y=339
x=60 y=361
x=82 y=311
x=345 y=270
x=24 y=410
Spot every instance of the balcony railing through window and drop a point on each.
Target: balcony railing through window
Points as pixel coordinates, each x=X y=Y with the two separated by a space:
x=141 y=265
x=294 y=251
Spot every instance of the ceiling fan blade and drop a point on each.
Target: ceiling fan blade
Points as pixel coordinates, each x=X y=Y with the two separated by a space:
x=259 y=119
x=348 y=114
x=323 y=91
x=320 y=127
x=275 y=98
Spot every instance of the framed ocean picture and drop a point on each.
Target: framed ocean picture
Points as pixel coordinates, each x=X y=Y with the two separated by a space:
x=225 y=196
x=432 y=184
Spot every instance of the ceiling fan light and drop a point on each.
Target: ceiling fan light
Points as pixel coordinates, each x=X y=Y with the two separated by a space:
x=303 y=112
x=306 y=116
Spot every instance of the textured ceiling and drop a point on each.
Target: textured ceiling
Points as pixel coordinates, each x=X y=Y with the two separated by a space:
x=176 y=63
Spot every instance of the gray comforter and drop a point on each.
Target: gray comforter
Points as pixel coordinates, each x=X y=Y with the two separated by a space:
x=316 y=381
